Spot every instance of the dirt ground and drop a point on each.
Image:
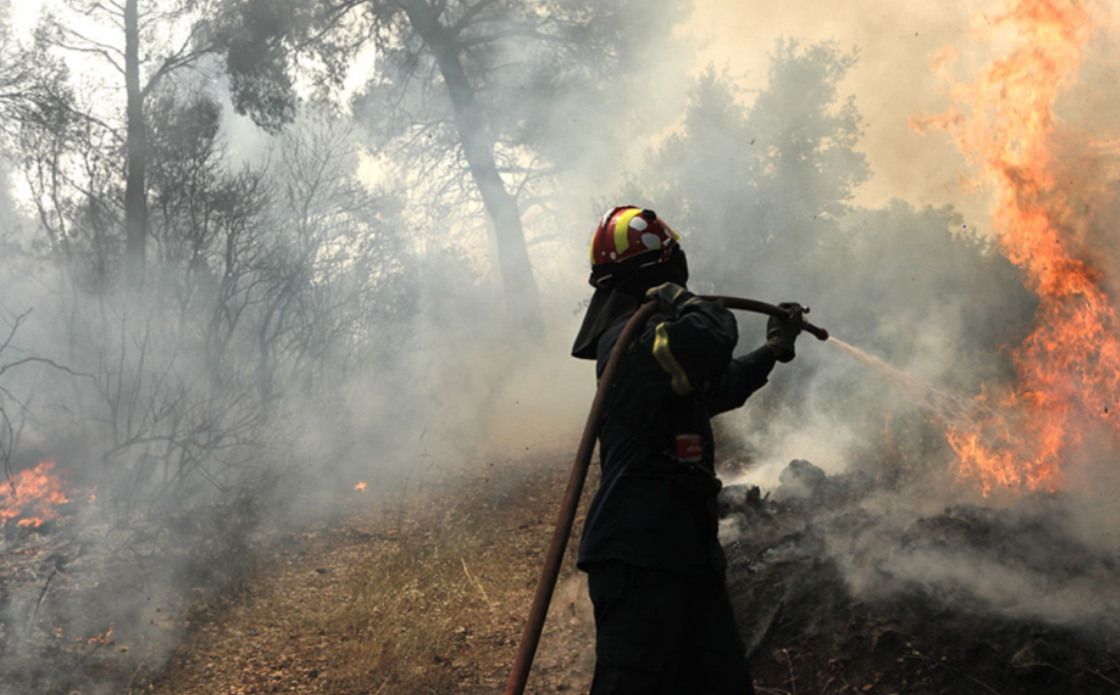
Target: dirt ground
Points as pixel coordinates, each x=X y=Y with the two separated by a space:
x=423 y=594
x=427 y=592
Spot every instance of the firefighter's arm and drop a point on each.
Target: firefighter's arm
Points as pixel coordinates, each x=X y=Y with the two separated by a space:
x=743 y=376
x=691 y=339
x=748 y=373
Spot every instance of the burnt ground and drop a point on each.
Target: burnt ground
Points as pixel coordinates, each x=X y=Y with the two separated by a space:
x=425 y=591
x=918 y=633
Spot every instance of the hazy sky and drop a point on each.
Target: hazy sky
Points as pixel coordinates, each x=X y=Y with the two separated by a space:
x=897 y=42
x=893 y=79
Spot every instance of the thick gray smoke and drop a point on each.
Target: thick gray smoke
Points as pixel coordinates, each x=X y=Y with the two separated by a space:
x=922 y=289
x=324 y=299
x=321 y=301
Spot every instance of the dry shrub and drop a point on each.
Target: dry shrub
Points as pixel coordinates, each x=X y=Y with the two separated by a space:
x=415 y=612
x=222 y=555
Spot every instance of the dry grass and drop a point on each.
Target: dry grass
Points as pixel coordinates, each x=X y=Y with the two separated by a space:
x=401 y=618
x=428 y=595
x=440 y=609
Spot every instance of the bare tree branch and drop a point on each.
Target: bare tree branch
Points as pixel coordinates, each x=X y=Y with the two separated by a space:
x=88 y=42
x=327 y=21
x=7 y=449
x=469 y=15
x=185 y=55
x=90 y=49
x=42 y=360
x=13 y=329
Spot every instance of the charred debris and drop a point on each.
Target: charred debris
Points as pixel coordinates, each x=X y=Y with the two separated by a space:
x=832 y=596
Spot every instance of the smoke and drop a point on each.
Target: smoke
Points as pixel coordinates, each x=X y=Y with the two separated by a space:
x=302 y=329
x=1024 y=569
x=893 y=79
x=920 y=287
x=317 y=328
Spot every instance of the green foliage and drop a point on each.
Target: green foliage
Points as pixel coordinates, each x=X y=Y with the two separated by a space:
x=544 y=75
x=806 y=135
x=923 y=269
x=705 y=177
x=762 y=195
x=34 y=92
x=259 y=37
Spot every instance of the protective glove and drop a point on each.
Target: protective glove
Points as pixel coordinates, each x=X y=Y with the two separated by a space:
x=671 y=297
x=781 y=332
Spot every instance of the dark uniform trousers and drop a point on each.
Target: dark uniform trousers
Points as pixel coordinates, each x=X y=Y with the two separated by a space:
x=664 y=633
x=650 y=542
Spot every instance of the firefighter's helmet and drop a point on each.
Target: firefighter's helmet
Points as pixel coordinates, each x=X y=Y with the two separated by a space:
x=629 y=238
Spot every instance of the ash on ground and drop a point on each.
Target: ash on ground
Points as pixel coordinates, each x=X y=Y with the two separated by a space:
x=842 y=587
x=91 y=608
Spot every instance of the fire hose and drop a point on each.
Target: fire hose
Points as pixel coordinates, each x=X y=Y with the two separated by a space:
x=531 y=635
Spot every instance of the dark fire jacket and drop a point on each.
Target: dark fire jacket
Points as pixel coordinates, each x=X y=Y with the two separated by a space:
x=656 y=502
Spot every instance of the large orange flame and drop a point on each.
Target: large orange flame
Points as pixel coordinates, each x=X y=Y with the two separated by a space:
x=1069 y=366
x=32 y=496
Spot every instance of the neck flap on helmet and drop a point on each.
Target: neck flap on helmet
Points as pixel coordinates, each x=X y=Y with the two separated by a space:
x=621 y=296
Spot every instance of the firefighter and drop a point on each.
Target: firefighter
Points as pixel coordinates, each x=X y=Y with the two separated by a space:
x=663 y=618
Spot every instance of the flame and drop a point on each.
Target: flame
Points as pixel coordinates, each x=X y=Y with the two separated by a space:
x=361 y=486
x=1068 y=368
x=33 y=495
x=102 y=638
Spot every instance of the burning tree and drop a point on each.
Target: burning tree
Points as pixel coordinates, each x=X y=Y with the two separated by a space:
x=1068 y=367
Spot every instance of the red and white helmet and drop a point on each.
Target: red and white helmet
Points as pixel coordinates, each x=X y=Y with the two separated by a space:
x=632 y=250
x=627 y=232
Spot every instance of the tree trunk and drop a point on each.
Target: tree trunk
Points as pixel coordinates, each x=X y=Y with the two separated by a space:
x=516 y=271
x=135 y=206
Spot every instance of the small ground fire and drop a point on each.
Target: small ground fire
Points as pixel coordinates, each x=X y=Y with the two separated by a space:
x=32 y=496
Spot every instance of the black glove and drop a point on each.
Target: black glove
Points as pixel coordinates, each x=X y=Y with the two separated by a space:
x=781 y=332
x=672 y=297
